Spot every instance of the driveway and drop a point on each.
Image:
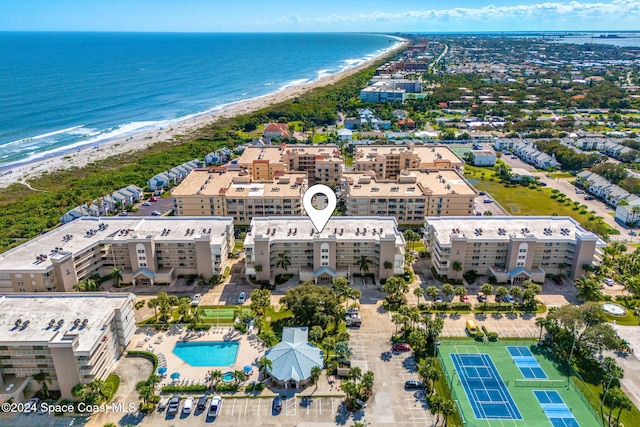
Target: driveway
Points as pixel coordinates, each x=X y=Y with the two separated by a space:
x=131 y=370
x=163 y=205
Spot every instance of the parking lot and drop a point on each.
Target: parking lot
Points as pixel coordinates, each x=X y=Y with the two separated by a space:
x=163 y=205
x=252 y=412
x=493 y=207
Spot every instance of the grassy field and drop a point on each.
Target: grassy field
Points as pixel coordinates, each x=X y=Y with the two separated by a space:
x=208 y=314
x=523 y=396
x=519 y=200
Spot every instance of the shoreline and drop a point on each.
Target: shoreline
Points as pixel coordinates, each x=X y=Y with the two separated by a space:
x=81 y=155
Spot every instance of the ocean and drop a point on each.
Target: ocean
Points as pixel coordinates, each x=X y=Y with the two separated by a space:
x=64 y=90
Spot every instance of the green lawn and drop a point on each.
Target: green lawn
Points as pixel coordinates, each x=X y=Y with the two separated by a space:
x=238 y=245
x=114 y=381
x=209 y=314
x=560 y=175
x=319 y=138
x=594 y=396
x=519 y=200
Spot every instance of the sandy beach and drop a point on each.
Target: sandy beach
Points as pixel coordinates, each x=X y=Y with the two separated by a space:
x=134 y=142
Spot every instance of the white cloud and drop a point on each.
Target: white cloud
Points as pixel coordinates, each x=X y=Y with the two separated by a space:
x=622 y=9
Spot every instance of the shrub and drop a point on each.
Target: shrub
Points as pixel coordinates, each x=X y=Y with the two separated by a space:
x=240 y=327
x=192 y=388
x=227 y=388
x=259 y=387
x=148 y=408
x=493 y=336
x=479 y=336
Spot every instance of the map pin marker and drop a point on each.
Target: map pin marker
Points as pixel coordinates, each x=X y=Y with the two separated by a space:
x=319 y=217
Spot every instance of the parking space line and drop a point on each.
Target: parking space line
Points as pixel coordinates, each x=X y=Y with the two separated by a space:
x=290 y=406
x=233 y=407
x=332 y=410
x=246 y=405
x=259 y=401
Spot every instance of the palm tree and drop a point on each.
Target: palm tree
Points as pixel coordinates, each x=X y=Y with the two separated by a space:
x=486 y=289
x=448 y=290
x=269 y=337
x=153 y=303
x=541 y=322
x=116 y=277
x=397 y=319
x=316 y=371
x=215 y=377
x=515 y=292
x=343 y=351
x=457 y=267
x=432 y=291
x=78 y=390
x=328 y=344
x=418 y=292
x=367 y=383
x=97 y=386
x=363 y=264
x=355 y=374
x=258 y=269
x=623 y=402
x=501 y=291
x=388 y=265
x=239 y=376
x=316 y=333
x=43 y=378
x=460 y=292
x=283 y=261
x=448 y=408
x=354 y=294
x=145 y=391
x=266 y=365
x=435 y=404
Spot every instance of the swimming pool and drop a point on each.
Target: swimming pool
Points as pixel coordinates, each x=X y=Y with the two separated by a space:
x=207 y=353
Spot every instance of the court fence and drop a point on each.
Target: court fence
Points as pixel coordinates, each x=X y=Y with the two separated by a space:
x=540 y=383
x=582 y=390
x=452 y=390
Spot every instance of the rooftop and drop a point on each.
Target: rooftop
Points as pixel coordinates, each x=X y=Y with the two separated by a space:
x=410 y=183
x=82 y=233
x=342 y=228
x=253 y=153
x=552 y=228
x=218 y=181
x=41 y=309
x=427 y=154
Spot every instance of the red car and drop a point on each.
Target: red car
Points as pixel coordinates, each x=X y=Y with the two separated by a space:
x=401 y=346
x=464 y=298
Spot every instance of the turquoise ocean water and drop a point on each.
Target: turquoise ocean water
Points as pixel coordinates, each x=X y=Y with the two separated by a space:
x=64 y=90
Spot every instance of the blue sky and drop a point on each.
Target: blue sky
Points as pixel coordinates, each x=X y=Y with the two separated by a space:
x=317 y=15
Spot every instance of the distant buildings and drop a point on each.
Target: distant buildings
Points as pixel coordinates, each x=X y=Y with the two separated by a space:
x=173 y=176
x=529 y=153
x=74 y=338
x=602 y=188
x=388 y=160
x=322 y=163
x=337 y=251
x=512 y=248
x=384 y=89
x=146 y=250
x=410 y=197
x=106 y=205
x=483 y=158
x=276 y=130
x=218 y=192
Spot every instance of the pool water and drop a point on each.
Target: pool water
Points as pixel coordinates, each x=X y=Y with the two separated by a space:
x=228 y=377
x=207 y=353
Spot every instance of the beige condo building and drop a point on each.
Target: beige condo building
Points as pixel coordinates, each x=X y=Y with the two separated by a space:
x=321 y=257
x=146 y=250
x=74 y=338
x=322 y=163
x=218 y=192
x=413 y=195
x=511 y=248
x=387 y=161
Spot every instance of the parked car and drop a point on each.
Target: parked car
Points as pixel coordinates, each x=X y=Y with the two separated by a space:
x=413 y=384
x=174 y=404
x=488 y=200
x=188 y=405
x=353 y=310
x=195 y=300
x=482 y=193
x=508 y=298
x=277 y=404
x=579 y=191
x=156 y=213
x=202 y=403
x=242 y=298
x=401 y=346
x=162 y=405
x=153 y=199
x=31 y=405
x=589 y=197
x=464 y=298
x=146 y=204
x=438 y=298
x=557 y=280
x=482 y=297
x=609 y=281
x=214 y=406
x=123 y=214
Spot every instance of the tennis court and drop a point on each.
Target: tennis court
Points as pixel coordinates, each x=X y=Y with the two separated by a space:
x=555 y=409
x=528 y=365
x=488 y=394
x=491 y=390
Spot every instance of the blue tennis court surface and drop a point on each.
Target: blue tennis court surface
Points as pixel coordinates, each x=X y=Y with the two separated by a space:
x=555 y=408
x=528 y=365
x=487 y=393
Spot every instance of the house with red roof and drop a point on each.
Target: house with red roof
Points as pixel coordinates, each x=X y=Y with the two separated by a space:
x=276 y=130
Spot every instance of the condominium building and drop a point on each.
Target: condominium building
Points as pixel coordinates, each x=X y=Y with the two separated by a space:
x=322 y=163
x=218 y=192
x=74 y=338
x=388 y=160
x=511 y=248
x=413 y=195
x=292 y=245
x=146 y=250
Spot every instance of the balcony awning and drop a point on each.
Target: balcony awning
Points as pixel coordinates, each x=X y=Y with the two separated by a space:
x=324 y=270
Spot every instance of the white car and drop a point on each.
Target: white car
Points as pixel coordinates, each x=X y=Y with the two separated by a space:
x=508 y=298
x=31 y=405
x=352 y=310
x=195 y=300
x=214 y=406
x=188 y=405
x=609 y=281
x=242 y=298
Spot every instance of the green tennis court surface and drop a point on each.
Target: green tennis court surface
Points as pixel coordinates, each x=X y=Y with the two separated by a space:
x=523 y=389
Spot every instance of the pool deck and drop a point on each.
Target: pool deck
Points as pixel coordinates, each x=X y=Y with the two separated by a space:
x=161 y=343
